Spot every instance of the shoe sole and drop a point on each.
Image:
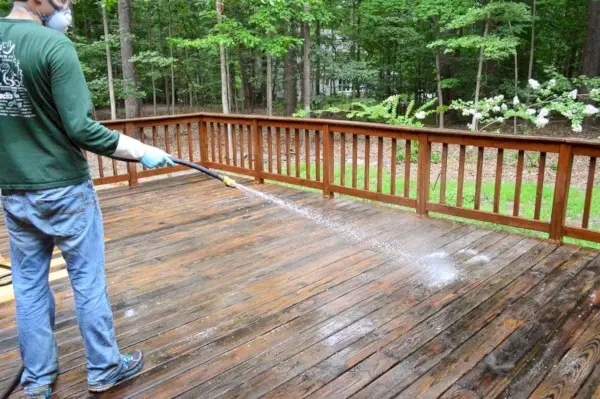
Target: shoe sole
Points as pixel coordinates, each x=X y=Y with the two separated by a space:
x=124 y=376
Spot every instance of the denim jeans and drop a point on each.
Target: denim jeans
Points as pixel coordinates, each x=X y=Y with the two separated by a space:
x=69 y=218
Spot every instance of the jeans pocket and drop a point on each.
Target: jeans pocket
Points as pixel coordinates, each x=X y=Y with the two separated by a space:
x=14 y=213
x=66 y=215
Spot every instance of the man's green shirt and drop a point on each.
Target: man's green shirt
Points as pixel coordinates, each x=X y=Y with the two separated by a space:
x=45 y=110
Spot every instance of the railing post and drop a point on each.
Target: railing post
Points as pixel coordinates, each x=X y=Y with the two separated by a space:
x=328 y=162
x=203 y=141
x=131 y=166
x=561 y=192
x=258 y=152
x=423 y=174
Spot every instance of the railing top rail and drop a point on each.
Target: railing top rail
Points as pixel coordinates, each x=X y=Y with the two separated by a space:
x=364 y=125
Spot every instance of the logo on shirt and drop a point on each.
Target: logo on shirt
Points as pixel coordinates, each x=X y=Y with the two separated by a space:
x=14 y=99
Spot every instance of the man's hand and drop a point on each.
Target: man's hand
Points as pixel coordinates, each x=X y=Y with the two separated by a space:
x=155 y=158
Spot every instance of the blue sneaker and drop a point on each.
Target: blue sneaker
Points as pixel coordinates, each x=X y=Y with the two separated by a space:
x=130 y=365
x=43 y=392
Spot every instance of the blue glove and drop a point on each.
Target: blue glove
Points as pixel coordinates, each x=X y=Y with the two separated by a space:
x=155 y=158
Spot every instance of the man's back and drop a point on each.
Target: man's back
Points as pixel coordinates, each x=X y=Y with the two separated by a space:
x=44 y=110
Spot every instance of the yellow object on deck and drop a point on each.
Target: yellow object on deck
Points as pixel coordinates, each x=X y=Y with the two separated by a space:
x=229 y=182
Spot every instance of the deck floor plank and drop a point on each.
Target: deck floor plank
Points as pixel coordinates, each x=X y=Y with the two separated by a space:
x=231 y=296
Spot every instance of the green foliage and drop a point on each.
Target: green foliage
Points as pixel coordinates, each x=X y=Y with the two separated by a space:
x=387 y=112
x=414 y=154
x=450 y=83
x=378 y=48
x=497 y=45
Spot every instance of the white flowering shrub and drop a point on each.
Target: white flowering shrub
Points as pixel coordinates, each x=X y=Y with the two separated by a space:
x=546 y=100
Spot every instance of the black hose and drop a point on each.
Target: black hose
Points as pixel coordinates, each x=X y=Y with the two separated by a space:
x=211 y=173
x=4 y=283
x=199 y=168
x=13 y=384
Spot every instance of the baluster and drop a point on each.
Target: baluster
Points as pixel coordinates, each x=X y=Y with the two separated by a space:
x=343 y=159
x=444 y=173
x=407 y=154
x=518 y=183
x=479 y=178
x=278 y=148
x=589 y=192
x=461 y=176
x=393 y=182
x=380 y=165
x=498 y=184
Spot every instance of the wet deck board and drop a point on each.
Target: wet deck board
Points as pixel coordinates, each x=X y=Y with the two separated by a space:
x=231 y=296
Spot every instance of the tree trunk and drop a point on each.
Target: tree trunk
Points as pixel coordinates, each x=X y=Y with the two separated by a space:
x=269 y=85
x=223 y=58
x=224 y=83
x=438 y=66
x=231 y=83
x=515 y=127
x=532 y=48
x=306 y=67
x=111 y=87
x=480 y=70
x=224 y=76
x=167 y=94
x=154 y=91
x=289 y=84
x=172 y=67
x=75 y=16
x=591 y=48
x=318 y=60
x=246 y=95
x=132 y=109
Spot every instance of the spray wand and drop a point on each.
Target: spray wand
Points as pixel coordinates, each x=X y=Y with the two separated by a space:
x=228 y=181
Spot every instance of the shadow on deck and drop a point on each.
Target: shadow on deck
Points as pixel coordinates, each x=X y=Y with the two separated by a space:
x=229 y=295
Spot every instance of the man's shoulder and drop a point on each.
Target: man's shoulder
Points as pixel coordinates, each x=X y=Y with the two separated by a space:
x=45 y=37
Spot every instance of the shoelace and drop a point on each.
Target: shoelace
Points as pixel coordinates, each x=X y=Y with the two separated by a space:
x=126 y=360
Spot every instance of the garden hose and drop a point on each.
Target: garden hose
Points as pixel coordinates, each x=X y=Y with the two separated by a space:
x=13 y=384
x=5 y=278
x=228 y=182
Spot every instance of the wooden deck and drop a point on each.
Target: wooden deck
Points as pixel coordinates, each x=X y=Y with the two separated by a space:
x=230 y=296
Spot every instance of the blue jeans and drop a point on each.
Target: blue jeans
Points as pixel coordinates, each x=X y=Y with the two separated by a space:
x=69 y=218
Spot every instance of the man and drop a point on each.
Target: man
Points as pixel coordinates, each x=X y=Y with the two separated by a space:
x=47 y=195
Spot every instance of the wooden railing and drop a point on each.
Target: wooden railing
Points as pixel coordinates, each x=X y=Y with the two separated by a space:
x=361 y=160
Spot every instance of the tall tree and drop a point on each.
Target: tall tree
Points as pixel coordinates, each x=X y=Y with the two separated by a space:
x=132 y=109
x=306 y=65
x=172 y=64
x=591 y=49
x=290 y=94
x=223 y=59
x=496 y=45
x=111 y=85
x=532 y=44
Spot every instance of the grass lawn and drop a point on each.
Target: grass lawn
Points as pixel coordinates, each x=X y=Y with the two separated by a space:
x=528 y=197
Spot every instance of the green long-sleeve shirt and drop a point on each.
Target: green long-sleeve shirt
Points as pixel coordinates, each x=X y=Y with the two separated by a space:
x=45 y=110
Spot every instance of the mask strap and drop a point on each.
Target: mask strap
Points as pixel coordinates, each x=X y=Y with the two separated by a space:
x=43 y=18
x=56 y=8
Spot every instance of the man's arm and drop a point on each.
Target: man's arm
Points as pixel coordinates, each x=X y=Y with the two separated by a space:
x=72 y=99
